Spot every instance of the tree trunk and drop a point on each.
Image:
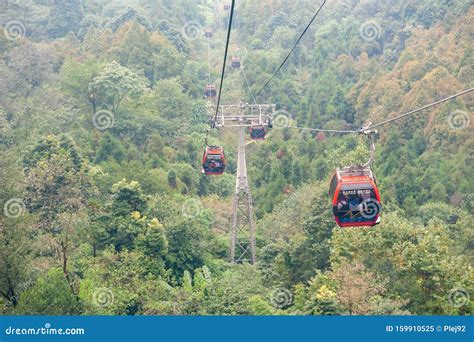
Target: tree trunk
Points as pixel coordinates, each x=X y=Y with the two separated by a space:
x=65 y=270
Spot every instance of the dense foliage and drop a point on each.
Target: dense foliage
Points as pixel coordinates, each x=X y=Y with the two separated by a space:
x=102 y=127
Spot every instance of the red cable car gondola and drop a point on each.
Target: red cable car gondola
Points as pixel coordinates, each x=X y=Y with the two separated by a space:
x=236 y=62
x=213 y=160
x=355 y=197
x=208 y=33
x=354 y=192
x=258 y=132
x=210 y=91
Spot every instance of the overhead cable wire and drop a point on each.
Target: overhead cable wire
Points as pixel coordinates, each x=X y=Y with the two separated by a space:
x=292 y=49
x=224 y=63
x=386 y=121
x=320 y=129
x=421 y=108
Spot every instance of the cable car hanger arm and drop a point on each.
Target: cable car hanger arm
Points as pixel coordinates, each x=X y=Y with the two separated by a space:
x=369 y=132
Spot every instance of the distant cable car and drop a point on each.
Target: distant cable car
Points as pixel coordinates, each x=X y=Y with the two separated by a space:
x=208 y=32
x=355 y=197
x=258 y=132
x=210 y=91
x=236 y=62
x=213 y=160
x=226 y=7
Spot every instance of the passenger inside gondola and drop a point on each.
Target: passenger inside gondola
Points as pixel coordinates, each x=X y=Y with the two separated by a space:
x=235 y=61
x=208 y=33
x=356 y=206
x=213 y=164
x=210 y=91
x=257 y=132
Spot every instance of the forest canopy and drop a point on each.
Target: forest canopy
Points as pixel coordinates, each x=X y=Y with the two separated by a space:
x=103 y=124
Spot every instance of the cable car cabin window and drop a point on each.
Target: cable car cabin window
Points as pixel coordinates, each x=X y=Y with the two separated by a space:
x=236 y=62
x=257 y=133
x=214 y=164
x=210 y=90
x=208 y=33
x=214 y=157
x=356 y=204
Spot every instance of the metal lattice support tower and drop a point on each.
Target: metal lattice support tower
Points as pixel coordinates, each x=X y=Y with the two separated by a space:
x=242 y=232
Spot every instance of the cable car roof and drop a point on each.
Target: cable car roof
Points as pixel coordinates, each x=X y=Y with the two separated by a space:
x=355 y=172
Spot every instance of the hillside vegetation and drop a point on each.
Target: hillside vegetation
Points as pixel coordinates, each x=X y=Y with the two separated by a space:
x=103 y=126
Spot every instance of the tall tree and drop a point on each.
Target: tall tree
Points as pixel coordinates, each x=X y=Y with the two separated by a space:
x=30 y=65
x=65 y=17
x=57 y=187
x=115 y=83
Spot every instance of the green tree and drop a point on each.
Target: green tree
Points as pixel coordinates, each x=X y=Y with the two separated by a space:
x=171 y=101
x=110 y=147
x=125 y=218
x=153 y=240
x=65 y=17
x=115 y=83
x=189 y=245
x=16 y=250
x=172 y=178
x=120 y=283
x=416 y=260
x=50 y=295
x=57 y=191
